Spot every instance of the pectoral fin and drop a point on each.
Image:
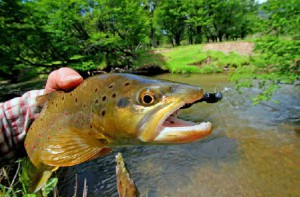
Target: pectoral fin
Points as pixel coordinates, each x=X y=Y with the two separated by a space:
x=72 y=146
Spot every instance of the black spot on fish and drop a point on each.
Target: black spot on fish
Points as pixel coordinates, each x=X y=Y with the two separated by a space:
x=96 y=90
x=96 y=101
x=76 y=100
x=63 y=98
x=123 y=102
x=71 y=94
x=172 y=122
x=111 y=86
x=114 y=95
x=103 y=113
x=103 y=98
x=127 y=84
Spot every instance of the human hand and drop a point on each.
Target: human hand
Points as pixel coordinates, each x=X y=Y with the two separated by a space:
x=62 y=79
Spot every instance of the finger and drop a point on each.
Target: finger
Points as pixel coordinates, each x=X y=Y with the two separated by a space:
x=62 y=79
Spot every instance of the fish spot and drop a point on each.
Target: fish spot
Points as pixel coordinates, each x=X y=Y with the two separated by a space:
x=103 y=98
x=111 y=86
x=127 y=84
x=91 y=126
x=84 y=105
x=76 y=100
x=25 y=145
x=34 y=147
x=52 y=103
x=55 y=105
x=123 y=102
x=48 y=137
x=66 y=114
x=41 y=119
x=63 y=98
x=114 y=95
x=103 y=113
x=96 y=90
x=172 y=122
x=96 y=101
x=71 y=94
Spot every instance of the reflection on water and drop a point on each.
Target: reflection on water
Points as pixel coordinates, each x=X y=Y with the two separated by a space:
x=254 y=151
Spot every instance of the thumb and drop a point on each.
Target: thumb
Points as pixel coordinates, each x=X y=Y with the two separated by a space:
x=62 y=79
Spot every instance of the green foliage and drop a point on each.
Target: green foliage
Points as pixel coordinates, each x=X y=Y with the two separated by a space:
x=171 y=16
x=22 y=180
x=80 y=34
x=283 y=17
x=276 y=62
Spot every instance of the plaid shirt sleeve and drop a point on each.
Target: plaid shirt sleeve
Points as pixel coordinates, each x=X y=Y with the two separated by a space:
x=16 y=116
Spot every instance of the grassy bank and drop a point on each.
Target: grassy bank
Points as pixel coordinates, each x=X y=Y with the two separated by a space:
x=191 y=59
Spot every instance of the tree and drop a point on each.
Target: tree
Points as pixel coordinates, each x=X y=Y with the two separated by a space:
x=171 y=16
x=284 y=18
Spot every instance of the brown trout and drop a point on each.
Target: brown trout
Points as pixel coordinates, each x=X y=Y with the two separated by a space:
x=106 y=111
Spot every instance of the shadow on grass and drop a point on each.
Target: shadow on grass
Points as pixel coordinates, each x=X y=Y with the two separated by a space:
x=150 y=63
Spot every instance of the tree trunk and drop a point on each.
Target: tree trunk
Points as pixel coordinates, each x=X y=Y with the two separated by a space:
x=198 y=39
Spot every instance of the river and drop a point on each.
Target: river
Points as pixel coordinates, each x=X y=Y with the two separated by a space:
x=254 y=150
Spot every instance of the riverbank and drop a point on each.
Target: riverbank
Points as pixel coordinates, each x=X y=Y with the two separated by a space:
x=202 y=58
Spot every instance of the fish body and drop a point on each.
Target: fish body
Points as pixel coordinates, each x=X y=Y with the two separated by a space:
x=106 y=111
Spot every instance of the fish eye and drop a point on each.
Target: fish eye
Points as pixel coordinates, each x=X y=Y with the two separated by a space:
x=148 y=97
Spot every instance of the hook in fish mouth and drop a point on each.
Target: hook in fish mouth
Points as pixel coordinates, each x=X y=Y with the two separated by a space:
x=174 y=130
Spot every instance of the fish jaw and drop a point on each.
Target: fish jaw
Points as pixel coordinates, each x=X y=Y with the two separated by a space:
x=171 y=130
x=182 y=131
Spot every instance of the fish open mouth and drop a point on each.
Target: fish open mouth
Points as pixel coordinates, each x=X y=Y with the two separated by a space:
x=174 y=130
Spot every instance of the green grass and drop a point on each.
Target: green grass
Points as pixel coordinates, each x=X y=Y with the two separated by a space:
x=15 y=180
x=190 y=59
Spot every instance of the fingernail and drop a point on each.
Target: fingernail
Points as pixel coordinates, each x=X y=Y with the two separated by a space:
x=72 y=78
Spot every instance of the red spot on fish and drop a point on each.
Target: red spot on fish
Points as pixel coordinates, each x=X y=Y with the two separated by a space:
x=76 y=121
x=25 y=145
x=66 y=113
x=40 y=135
x=48 y=137
x=34 y=147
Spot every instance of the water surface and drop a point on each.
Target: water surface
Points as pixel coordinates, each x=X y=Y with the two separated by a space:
x=254 y=150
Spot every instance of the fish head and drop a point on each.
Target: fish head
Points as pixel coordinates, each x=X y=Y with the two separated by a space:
x=147 y=112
